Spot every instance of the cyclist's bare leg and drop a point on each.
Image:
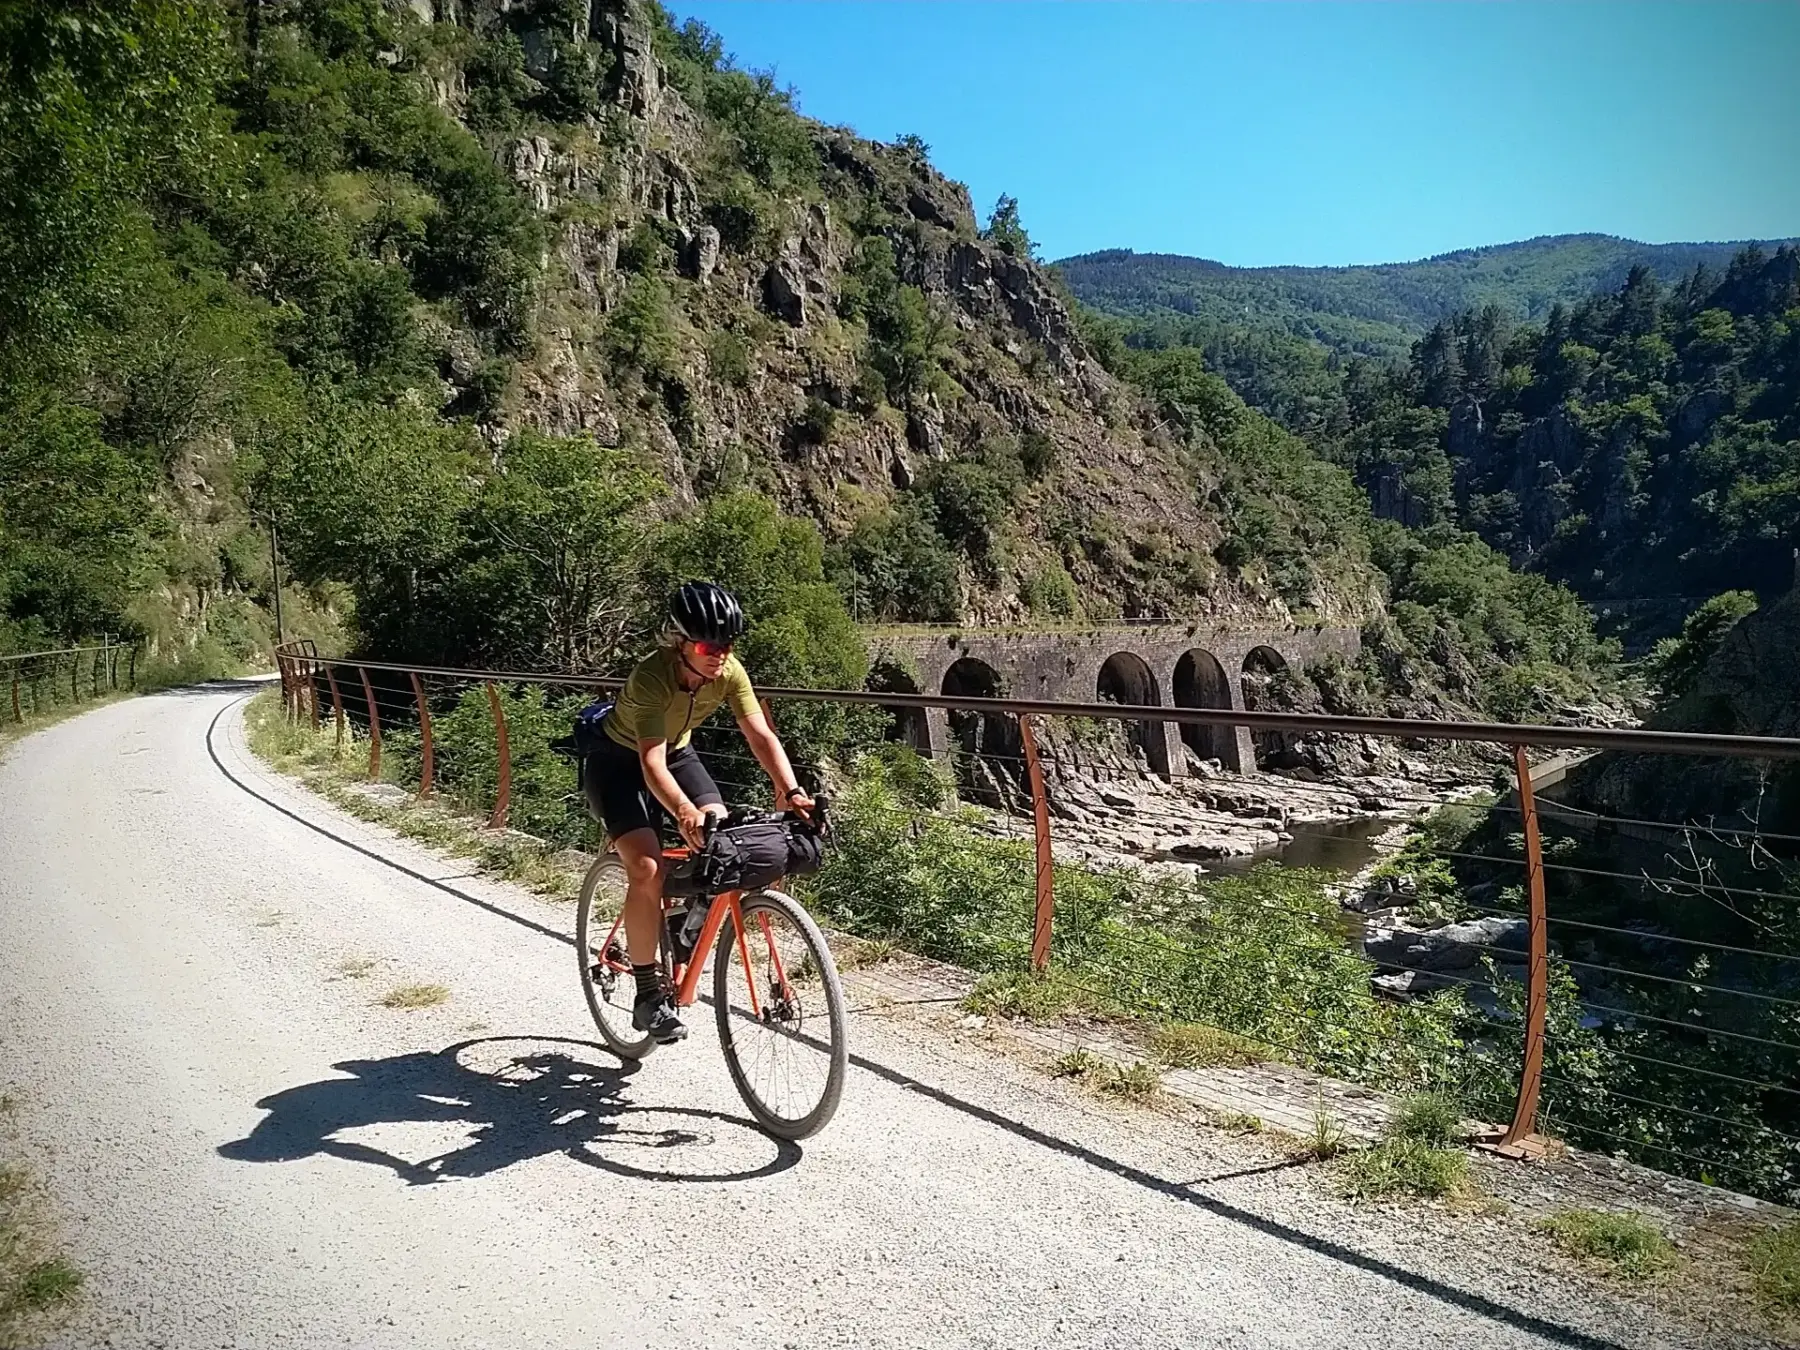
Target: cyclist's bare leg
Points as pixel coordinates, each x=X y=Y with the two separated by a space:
x=641 y=852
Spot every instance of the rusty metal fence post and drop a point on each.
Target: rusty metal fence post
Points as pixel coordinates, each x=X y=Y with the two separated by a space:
x=1537 y=971
x=425 y=757
x=337 y=710
x=1040 y=827
x=374 y=727
x=312 y=686
x=503 y=754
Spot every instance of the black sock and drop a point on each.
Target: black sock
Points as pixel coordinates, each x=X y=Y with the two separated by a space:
x=649 y=979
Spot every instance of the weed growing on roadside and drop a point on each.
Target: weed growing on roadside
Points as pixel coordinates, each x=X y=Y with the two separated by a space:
x=1629 y=1245
x=1077 y=1063
x=356 y=967
x=1139 y=1082
x=1775 y=1265
x=1327 y=1139
x=1400 y=1165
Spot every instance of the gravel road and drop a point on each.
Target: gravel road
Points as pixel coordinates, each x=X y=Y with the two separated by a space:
x=249 y=1150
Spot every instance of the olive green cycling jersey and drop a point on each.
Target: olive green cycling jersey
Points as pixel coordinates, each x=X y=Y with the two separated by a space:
x=653 y=704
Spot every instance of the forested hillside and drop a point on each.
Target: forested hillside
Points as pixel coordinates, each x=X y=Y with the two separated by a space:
x=1641 y=445
x=1371 y=310
x=506 y=321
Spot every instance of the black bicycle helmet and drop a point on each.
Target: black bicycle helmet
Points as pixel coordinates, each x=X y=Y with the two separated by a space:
x=702 y=611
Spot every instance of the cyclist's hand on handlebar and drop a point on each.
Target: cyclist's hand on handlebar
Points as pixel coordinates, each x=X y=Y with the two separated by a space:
x=799 y=802
x=692 y=823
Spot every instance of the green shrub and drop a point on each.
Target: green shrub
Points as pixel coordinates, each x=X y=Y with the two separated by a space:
x=544 y=799
x=895 y=565
x=1051 y=593
x=1260 y=955
x=728 y=358
x=1675 y=664
x=1625 y=1242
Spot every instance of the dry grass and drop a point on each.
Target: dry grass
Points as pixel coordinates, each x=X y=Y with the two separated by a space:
x=415 y=996
x=36 y=1281
x=357 y=967
x=1186 y=1045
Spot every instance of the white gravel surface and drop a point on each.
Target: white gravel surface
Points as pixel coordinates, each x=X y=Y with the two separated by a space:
x=249 y=1151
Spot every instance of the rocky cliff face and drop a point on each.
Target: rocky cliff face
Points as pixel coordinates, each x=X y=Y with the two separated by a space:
x=762 y=377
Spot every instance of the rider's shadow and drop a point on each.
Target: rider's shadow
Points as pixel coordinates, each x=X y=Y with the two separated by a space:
x=560 y=1097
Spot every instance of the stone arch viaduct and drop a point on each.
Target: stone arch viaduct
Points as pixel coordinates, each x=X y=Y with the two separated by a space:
x=1162 y=665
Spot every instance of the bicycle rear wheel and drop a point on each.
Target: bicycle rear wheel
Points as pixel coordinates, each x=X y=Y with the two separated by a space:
x=780 y=1010
x=606 y=977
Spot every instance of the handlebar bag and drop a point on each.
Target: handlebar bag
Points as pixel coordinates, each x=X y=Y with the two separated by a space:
x=747 y=857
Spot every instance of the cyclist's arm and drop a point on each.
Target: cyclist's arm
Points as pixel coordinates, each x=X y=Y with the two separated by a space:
x=653 y=753
x=770 y=753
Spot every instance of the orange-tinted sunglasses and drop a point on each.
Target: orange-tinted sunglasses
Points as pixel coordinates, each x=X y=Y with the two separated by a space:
x=713 y=648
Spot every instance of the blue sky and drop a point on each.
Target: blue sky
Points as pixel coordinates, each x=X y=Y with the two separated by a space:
x=1317 y=133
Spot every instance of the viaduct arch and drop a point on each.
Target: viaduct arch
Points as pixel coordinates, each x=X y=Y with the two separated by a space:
x=1162 y=665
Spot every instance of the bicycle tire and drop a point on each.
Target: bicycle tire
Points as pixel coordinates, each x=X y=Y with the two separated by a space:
x=835 y=1056
x=610 y=1003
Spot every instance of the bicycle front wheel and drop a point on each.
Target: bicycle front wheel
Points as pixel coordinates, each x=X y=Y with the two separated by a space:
x=606 y=977
x=780 y=1009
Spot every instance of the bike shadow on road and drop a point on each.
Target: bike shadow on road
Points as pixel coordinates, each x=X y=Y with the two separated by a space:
x=521 y=1098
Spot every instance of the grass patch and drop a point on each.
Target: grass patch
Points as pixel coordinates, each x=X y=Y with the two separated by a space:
x=1629 y=1245
x=44 y=1285
x=1433 y=1118
x=1139 y=1082
x=357 y=967
x=1190 y=1045
x=1775 y=1266
x=415 y=996
x=36 y=1281
x=1033 y=998
x=1404 y=1166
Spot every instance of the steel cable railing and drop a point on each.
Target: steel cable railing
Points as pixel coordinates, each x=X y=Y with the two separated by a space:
x=32 y=681
x=1685 y=1006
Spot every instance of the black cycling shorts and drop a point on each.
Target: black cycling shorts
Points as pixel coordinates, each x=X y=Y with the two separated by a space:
x=618 y=796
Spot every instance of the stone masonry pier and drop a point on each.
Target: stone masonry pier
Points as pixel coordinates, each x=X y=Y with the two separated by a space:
x=1170 y=665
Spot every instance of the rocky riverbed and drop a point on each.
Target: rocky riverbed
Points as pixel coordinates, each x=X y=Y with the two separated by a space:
x=1117 y=813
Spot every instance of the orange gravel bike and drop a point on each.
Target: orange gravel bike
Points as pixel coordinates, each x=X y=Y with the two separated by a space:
x=775 y=989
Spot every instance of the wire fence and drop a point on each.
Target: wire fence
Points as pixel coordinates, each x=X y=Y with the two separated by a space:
x=33 y=683
x=1592 y=971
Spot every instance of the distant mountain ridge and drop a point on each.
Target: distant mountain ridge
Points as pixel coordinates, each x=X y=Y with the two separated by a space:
x=1376 y=309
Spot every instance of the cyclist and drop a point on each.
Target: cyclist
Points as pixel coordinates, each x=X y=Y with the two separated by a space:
x=646 y=772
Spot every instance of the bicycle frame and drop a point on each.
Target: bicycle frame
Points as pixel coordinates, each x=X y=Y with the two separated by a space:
x=687 y=974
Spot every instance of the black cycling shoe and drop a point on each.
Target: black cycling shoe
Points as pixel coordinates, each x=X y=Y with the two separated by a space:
x=655 y=1013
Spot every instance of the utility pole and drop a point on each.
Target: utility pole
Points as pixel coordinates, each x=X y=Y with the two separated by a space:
x=275 y=568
